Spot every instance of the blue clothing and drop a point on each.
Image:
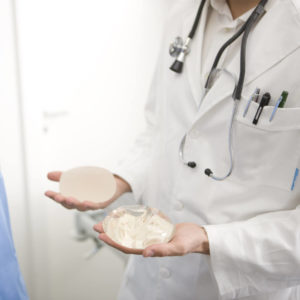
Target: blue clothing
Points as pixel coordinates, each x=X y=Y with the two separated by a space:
x=12 y=286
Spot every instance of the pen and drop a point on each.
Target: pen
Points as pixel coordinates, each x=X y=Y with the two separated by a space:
x=280 y=103
x=275 y=108
x=263 y=102
x=295 y=178
x=257 y=96
x=254 y=97
x=284 y=96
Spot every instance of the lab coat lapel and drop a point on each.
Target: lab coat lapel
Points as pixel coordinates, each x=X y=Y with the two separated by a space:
x=275 y=36
x=193 y=60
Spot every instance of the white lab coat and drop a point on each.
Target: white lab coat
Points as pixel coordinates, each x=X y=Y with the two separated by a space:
x=253 y=217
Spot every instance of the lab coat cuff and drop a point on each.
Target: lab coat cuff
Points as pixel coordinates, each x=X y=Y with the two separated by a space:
x=134 y=179
x=224 y=248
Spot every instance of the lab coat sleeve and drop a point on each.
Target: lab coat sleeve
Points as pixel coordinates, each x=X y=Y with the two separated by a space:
x=257 y=256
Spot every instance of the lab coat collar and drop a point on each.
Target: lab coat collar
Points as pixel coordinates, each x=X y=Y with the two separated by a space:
x=274 y=37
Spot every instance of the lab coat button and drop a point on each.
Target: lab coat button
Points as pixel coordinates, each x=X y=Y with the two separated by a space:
x=164 y=273
x=178 y=205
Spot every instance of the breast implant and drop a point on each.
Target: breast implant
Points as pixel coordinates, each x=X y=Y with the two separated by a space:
x=88 y=184
x=138 y=226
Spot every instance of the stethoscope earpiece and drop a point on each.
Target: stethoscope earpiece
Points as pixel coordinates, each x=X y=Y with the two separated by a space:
x=208 y=172
x=192 y=164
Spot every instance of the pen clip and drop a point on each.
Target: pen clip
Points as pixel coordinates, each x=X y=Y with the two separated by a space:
x=263 y=102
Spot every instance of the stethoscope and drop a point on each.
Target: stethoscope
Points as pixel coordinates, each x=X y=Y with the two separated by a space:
x=180 y=50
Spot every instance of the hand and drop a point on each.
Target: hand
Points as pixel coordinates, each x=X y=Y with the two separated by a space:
x=188 y=238
x=72 y=203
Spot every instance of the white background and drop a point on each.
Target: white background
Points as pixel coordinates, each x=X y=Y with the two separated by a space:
x=74 y=76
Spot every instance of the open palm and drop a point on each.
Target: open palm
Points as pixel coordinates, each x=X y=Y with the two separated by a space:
x=188 y=238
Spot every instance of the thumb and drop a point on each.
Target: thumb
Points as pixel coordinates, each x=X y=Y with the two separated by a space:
x=54 y=176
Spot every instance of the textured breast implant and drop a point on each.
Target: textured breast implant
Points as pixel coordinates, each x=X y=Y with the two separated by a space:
x=138 y=227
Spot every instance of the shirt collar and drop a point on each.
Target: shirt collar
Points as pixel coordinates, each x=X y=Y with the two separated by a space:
x=222 y=8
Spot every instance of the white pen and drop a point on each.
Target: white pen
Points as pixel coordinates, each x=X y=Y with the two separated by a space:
x=254 y=97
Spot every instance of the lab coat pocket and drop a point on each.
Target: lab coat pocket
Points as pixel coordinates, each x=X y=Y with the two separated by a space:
x=267 y=154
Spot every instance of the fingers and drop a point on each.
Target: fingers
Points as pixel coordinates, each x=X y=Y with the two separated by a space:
x=93 y=205
x=99 y=227
x=51 y=194
x=68 y=202
x=104 y=237
x=59 y=199
x=160 y=250
x=54 y=176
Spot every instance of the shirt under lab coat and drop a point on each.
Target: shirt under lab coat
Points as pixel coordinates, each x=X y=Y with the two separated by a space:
x=253 y=217
x=11 y=282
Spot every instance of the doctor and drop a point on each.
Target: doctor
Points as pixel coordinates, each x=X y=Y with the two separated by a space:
x=236 y=237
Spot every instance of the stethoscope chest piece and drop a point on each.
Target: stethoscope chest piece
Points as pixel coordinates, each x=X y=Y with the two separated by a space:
x=177 y=47
x=179 y=50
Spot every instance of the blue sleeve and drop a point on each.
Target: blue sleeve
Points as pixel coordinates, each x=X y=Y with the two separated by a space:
x=12 y=285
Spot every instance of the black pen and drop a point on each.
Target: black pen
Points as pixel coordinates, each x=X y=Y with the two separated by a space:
x=264 y=101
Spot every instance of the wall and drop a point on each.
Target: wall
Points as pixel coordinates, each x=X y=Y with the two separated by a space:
x=84 y=71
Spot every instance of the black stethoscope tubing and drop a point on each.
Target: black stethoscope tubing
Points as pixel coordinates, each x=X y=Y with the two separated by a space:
x=246 y=28
x=177 y=67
